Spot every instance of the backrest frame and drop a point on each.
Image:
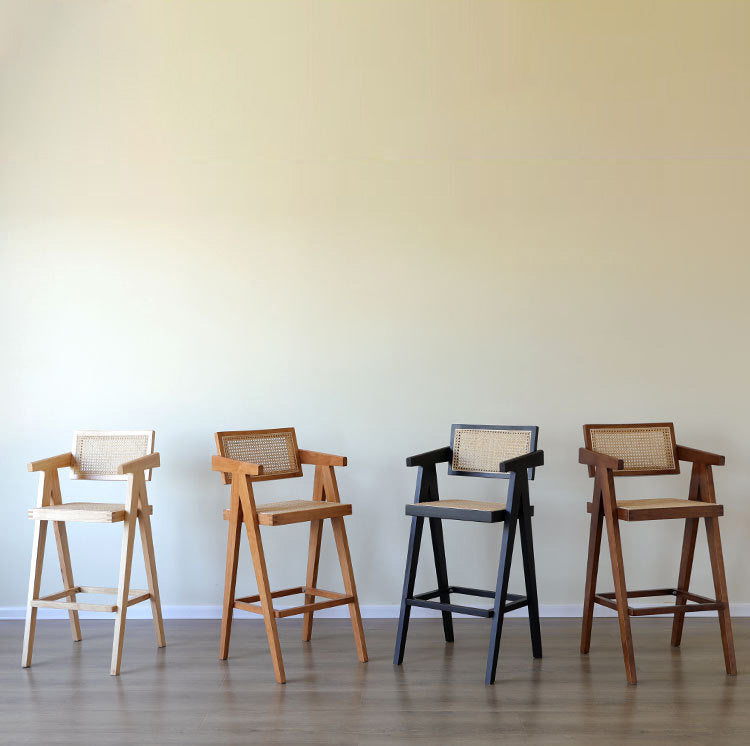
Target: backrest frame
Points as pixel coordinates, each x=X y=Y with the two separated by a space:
x=142 y=445
x=653 y=437
x=457 y=431
x=227 y=437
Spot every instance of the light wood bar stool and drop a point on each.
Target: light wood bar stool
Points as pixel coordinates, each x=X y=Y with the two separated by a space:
x=640 y=450
x=125 y=455
x=248 y=456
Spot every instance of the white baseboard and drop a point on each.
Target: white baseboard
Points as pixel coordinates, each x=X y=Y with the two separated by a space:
x=143 y=611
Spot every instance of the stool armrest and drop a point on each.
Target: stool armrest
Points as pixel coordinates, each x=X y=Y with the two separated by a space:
x=438 y=456
x=321 y=459
x=525 y=461
x=601 y=460
x=139 y=464
x=55 y=462
x=222 y=463
x=700 y=457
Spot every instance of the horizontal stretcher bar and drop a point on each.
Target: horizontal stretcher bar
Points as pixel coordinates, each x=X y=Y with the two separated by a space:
x=514 y=601
x=248 y=603
x=700 y=603
x=52 y=600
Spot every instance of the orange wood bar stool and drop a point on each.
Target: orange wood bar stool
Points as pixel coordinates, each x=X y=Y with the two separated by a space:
x=640 y=450
x=249 y=456
x=98 y=455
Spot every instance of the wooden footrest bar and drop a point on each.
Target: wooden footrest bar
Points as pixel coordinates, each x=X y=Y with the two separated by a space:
x=700 y=603
x=422 y=600
x=248 y=603
x=52 y=601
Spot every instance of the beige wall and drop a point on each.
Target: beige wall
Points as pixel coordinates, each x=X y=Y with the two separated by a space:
x=371 y=220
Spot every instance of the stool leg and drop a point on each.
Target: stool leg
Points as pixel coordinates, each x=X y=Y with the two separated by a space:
x=621 y=594
x=66 y=570
x=441 y=570
x=313 y=560
x=149 y=559
x=592 y=570
x=529 y=571
x=230 y=581
x=35 y=582
x=123 y=589
x=501 y=592
x=720 y=586
x=683 y=579
x=342 y=545
x=410 y=576
x=266 y=601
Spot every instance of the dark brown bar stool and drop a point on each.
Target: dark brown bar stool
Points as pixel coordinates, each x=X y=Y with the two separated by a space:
x=641 y=450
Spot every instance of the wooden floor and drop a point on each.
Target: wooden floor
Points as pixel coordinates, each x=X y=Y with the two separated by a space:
x=183 y=695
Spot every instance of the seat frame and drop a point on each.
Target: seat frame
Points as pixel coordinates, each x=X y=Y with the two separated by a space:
x=243 y=512
x=604 y=510
x=137 y=510
x=517 y=511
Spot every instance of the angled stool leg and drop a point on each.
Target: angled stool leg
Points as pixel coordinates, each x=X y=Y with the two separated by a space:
x=529 y=571
x=35 y=582
x=621 y=595
x=230 y=579
x=501 y=592
x=123 y=588
x=66 y=570
x=313 y=561
x=683 y=580
x=438 y=550
x=266 y=601
x=720 y=586
x=342 y=545
x=149 y=558
x=410 y=576
x=592 y=570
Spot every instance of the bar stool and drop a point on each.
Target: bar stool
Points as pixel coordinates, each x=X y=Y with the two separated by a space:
x=247 y=456
x=495 y=451
x=125 y=455
x=640 y=450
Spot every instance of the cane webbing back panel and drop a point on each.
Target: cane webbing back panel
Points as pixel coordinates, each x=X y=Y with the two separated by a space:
x=98 y=453
x=275 y=450
x=644 y=448
x=479 y=449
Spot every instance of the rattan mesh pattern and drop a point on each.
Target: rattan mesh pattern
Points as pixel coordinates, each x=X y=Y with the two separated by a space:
x=477 y=450
x=641 y=448
x=275 y=452
x=98 y=455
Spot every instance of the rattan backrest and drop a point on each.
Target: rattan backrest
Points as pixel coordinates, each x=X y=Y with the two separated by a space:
x=479 y=449
x=275 y=450
x=647 y=448
x=98 y=453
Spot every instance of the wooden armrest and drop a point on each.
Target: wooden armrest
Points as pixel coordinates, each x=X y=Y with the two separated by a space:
x=222 y=463
x=321 y=459
x=438 y=456
x=139 y=464
x=702 y=457
x=55 y=462
x=592 y=458
x=525 y=461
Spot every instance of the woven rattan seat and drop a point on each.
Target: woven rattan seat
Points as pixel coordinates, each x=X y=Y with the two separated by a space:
x=655 y=509
x=461 y=510
x=296 y=511
x=644 y=449
x=84 y=512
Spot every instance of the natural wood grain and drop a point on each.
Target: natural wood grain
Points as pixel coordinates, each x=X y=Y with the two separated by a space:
x=83 y=512
x=296 y=511
x=655 y=509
